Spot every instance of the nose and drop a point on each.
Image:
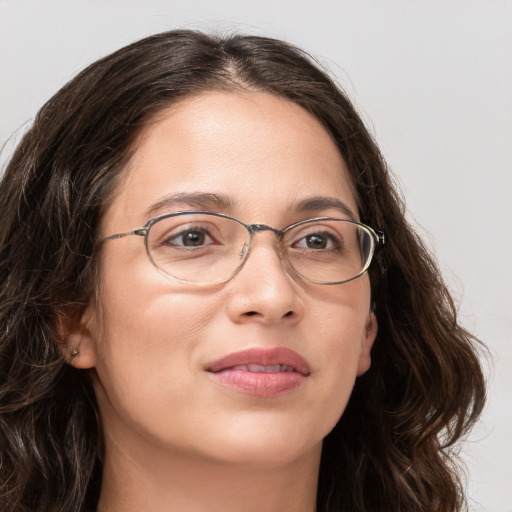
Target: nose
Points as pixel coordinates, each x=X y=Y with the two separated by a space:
x=264 y=291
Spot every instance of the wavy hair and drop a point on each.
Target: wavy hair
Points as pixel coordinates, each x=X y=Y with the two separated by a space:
x=394 y=448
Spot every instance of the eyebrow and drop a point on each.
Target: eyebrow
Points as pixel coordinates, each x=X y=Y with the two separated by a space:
x=319 y=203
x=222 y=202
x=200 y=201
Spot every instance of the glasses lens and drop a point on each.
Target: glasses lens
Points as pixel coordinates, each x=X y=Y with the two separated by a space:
x=329 y=250
x=197 y=248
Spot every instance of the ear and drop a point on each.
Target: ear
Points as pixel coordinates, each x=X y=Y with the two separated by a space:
x=367 y=344
x=77 y=343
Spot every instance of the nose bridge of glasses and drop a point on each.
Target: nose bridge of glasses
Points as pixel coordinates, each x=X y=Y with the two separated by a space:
x=253 y=228
x=260 y=228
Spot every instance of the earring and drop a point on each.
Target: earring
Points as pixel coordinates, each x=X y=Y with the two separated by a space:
x=74 y=353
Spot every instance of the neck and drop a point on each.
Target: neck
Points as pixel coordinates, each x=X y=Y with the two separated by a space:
x=177 y=482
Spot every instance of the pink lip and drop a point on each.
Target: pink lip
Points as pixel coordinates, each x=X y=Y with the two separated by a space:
x=234 y=371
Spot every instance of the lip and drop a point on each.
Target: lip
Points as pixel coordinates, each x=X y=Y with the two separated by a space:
x=260 y=371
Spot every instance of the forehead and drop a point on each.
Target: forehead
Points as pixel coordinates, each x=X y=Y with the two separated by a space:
x=262 y=152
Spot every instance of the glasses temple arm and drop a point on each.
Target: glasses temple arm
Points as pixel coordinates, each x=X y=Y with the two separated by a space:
x=139 y=232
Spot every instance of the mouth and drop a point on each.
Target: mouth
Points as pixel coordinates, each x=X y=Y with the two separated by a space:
x=258 y=368
x=261 y=372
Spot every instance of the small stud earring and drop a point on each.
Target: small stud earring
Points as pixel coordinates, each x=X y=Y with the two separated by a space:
x=74 y=352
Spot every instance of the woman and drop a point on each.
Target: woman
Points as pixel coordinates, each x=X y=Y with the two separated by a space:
x=211 y=299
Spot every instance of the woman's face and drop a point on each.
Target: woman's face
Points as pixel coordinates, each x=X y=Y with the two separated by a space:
x=159 y=347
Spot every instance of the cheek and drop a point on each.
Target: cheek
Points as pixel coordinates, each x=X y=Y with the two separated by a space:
x=141 y=309
x=145 y=333
x=340 y=336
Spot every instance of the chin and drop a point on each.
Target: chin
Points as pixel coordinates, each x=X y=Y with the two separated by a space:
x=266 y=445
x=269 y=456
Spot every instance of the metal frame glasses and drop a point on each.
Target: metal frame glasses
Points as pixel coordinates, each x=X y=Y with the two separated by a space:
x=203 y=247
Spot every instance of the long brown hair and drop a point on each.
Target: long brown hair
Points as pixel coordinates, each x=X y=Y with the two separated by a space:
x=393 y=447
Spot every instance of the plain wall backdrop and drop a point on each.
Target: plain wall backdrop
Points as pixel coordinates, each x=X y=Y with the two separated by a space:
x=433 y=80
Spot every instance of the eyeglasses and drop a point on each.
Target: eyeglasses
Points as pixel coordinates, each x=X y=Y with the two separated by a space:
x=203 y=247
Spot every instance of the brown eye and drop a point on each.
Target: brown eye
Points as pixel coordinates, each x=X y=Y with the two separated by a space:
x=190 y=238
x=318 y=242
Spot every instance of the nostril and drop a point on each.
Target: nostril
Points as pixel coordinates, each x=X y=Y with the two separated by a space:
x=254 y=313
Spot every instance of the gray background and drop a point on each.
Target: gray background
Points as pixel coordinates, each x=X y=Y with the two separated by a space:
x=433 y=79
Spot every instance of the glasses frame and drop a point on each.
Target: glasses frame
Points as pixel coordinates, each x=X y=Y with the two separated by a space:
x=377 y=238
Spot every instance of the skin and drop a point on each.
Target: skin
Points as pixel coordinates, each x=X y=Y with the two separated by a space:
x=175 y=439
